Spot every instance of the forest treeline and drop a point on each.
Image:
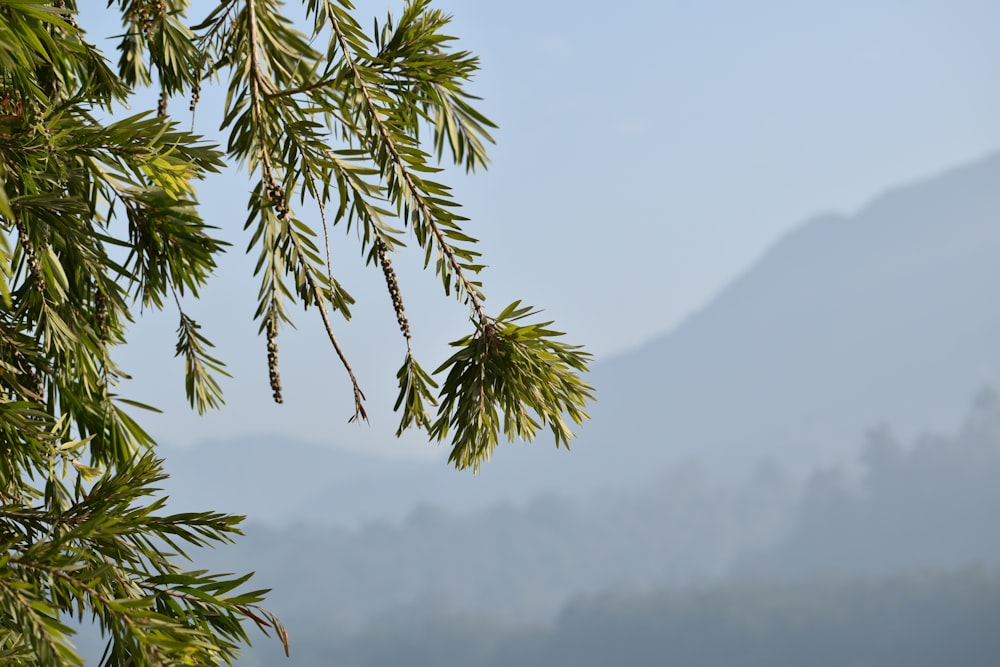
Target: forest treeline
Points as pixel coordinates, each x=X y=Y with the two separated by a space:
x=919 y=620
x=893 y=561
x=929 y=505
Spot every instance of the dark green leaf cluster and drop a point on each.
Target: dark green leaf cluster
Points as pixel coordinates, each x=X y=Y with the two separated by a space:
x=511 y=377
x=106 y=556
x=341 y=128
x=96 y=219
x=99 y=219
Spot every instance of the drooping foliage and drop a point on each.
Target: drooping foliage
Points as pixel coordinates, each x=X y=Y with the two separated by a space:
x=99 y=220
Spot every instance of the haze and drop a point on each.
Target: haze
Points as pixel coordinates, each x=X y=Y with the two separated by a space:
x=647 y=154
x=777 y=226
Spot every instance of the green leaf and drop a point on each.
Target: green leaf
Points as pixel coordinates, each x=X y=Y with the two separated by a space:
x=509 y=378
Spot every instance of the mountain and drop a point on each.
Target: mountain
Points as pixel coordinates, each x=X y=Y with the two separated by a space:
x=924 y=620
x=928 y=506
x=885 y=316
x=914 y=526
x=888 y=315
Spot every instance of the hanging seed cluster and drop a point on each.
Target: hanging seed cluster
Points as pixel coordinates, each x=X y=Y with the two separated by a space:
x=27 y=370
x=195 y=95
x=32 y=258
x=147 y=18
x=101 y=314
x=68 y=16
x=280 y=205
x=277 y=197
x=393 y=284
x=272 y=361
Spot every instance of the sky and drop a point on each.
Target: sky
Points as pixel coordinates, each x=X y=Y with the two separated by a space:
x=647 y=154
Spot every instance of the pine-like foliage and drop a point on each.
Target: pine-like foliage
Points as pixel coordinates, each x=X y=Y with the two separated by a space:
x=99 y=218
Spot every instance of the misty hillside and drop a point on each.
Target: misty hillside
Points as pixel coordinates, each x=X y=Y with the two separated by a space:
x=928 y=506
x=733 y=447
x=771 y=565
x=932 y=504
x=885 y=316
x=930 y=620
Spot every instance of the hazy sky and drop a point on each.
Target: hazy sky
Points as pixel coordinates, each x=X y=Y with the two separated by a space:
x=647 y=153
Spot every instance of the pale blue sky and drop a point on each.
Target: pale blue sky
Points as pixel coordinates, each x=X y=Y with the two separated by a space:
x=647 y=153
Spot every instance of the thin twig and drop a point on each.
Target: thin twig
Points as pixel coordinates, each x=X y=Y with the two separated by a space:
x=443 y=245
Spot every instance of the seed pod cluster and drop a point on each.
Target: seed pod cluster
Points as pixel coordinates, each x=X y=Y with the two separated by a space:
x=68 y=16
x=31 y=256
x=147 y=18
x=272 y=361
x=195 y=97
x=277 y=197
x=393 y=285
x=101 y=314
x=34 y=381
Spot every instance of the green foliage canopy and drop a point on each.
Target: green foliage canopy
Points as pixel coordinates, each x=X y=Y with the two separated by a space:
x=99 y=218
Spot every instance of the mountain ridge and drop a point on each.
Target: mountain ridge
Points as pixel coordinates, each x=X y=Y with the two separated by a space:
x=922 y=255
x=846 y=322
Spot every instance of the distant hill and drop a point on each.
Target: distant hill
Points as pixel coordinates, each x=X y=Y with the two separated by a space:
x=925 y=620
x=928 y=507
x=886 y=316
x=889 y=315
x=279 y=480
